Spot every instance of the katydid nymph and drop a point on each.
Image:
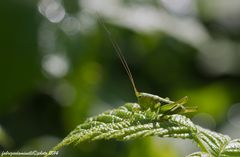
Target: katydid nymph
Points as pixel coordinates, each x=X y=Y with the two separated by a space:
x=145 y=100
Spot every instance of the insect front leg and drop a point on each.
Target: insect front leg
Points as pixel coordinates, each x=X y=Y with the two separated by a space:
x=157 y=107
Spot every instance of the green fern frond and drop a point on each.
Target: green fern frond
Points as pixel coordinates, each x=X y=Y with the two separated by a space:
x=130 y=122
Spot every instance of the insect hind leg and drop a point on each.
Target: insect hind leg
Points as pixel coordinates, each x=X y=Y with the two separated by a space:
x=177 y=106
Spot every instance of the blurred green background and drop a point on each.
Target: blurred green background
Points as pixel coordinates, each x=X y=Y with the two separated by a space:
x=58 y=67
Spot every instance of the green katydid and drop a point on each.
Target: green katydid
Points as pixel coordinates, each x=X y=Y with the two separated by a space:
x=145 y=100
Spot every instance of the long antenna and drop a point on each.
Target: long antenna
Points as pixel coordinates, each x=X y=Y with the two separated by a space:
x=119 y=53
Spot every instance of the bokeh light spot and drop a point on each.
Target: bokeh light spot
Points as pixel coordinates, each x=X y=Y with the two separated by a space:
x=179 y=6
x=52 y=10
x=70 y=25
x=205 y=120
x=55 y=65
x=65 y=93
x=234 y=116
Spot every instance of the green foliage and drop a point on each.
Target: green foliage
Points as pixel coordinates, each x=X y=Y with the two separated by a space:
x=130 y=122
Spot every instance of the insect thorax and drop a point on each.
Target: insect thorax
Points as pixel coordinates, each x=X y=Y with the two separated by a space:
x=147 y=101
